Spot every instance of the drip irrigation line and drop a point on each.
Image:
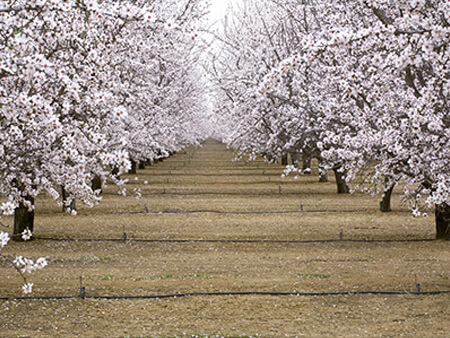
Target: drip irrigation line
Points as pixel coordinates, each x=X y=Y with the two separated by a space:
x=256 y=212
x=251 y=212
x=185 y=212
x=167 y=191
x=237 y=241
x=172 y=212
x=166 y=173
x=238 y=293
x=174 y=182
x=268 y=212
x=181 y=165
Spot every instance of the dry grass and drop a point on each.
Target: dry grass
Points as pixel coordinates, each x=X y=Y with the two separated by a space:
x=241 y=199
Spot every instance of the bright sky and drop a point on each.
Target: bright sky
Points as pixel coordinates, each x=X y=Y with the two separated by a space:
x=218 y=9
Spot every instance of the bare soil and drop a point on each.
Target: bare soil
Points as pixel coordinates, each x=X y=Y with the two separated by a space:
x=258 y=232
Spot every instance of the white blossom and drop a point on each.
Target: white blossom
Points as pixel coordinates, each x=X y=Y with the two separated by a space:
x=27 y=288
x=4 y=238
x=8 y=208
x=26 y=234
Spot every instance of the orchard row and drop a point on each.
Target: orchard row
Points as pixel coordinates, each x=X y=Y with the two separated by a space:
x=89 y=87
x=363 y=86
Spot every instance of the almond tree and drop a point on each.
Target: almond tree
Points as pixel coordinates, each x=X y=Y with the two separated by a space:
x=55 y=105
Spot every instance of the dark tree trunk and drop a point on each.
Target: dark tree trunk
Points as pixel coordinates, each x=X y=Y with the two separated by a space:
x=294 y=157
x=284 y=159
x=323 y=174
x=71 y=205
x=442 y=214
x=97 y=183
x=306 y=163
x=142 y=165
x=342 y=187
x=115 y=173
x=148 y=162
x=385 y=204
x=133 y=167
x=159 y=157
x=23 y=219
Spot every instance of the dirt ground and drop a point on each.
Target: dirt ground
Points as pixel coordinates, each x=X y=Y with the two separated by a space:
x=258 y=233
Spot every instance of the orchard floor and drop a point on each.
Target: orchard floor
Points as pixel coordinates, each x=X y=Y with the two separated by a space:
x=258 y=233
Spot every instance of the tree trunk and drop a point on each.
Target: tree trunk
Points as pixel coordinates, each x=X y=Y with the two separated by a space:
x=342 y=187
x=284 y=159
x=115 y=172
x=385 y=204
x=142 y=165
x=294 y=157
x=159 y=157
x=442 y=214
x=97 y=183
x=323 y=174
x=65 y=197
x=306 y=163
x=23 y=219
x=133 y=167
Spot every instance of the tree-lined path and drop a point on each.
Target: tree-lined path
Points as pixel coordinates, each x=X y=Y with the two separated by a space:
x=175 y=147
x=245 y=200
x=208 y=224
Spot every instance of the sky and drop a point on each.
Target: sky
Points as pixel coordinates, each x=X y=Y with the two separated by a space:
x=218 y=8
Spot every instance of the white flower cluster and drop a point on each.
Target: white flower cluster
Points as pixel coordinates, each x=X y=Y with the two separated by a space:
x=289 y=170
x=24 y=264
x=8 y=208
x=26 y=234
x=4 y=239
x=27 y=288
x=28 y=265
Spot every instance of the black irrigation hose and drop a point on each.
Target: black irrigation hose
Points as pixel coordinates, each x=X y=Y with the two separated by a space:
x=201 y=193
x=171 y=212
x=238 y=241
x=186 y=212
x=183 y=212
x=167 y=174
x=243 y=293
